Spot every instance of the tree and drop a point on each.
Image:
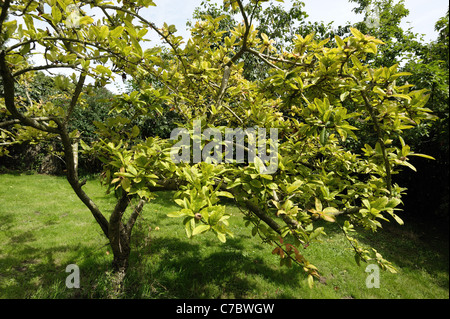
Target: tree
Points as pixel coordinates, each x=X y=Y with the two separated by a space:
x=431 y=71
x=428 y=64
x=72 y=40
x=309 y=173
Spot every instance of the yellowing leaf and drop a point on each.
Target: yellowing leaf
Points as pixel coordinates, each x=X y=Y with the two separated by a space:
x=330 y=210
x=402 y=96
x=86 y=20
x=126 y=184
x=56 y=14
x=200 y=229
x=137 y=47
x=379 y=90
x=117 y=32
x=357 y=33
x=318 y=204
x=328 y=218
x=221 y=237
x=103 y=33
x=225 y=194
x=339 y=41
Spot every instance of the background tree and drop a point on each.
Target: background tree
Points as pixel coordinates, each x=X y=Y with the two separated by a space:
x=430 y=69
x=84 y=46
x=428 y=64
x=44 y=155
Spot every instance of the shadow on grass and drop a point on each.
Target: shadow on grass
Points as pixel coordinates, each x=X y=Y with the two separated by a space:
x=412 y=246
x=29 y=272
x=180 y=269
x=167 y=268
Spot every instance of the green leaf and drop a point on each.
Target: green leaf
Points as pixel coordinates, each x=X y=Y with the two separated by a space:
x=379 y=91
x=339 y=41
x=357 y=33
x=358 y=259
x=402 y=96
x=356 y=62
x=366 y=203
x=135 y=131
x=137 y=47
x=328 y=218
x=330 y=211
x=318 y=204
x=397 y=219
x=84 y=146
x=126 y=184
x=221 y=237
x=344 y=95
x=56 y=14
x=422 y=155
x=86 y=20
x=259 y=165
x=294 y=186
x=254 y=231
x=255 y=183
x=130 y=28
x=200 y=229
x=272 y=186
x=132 y=170
x=225 y=194
x=181 y=213
x=323 y=136
x=180 y=202
x=103 y=70
x=189 y=223
x=216 y=215
x=310 y=281
x=103 y=33
x=117 y=32
x=372 y=48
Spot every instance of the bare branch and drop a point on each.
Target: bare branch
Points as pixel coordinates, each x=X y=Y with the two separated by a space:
x=72 y=177
x=4 y=14
x=17 y=121
x=44 y=67
x=75 y=96
x=379 y=132
x=263 y=58
x=224 y=85
x=134 y=216
x=9 y=95
x=263 y=216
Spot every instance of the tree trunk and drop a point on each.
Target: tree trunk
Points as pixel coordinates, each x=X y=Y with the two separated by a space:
x=120 y=261
x=120 y=266
x=119 y=238
x=75 y=154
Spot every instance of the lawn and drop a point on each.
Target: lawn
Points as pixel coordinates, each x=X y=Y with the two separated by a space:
x=44 y=228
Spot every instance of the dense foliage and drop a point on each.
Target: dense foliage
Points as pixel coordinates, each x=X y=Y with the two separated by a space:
x=321 y=95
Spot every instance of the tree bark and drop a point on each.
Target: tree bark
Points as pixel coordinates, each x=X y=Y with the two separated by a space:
x=119 y=237
x=72 y=177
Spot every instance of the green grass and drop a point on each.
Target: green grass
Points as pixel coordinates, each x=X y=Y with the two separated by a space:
x=44 y=228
